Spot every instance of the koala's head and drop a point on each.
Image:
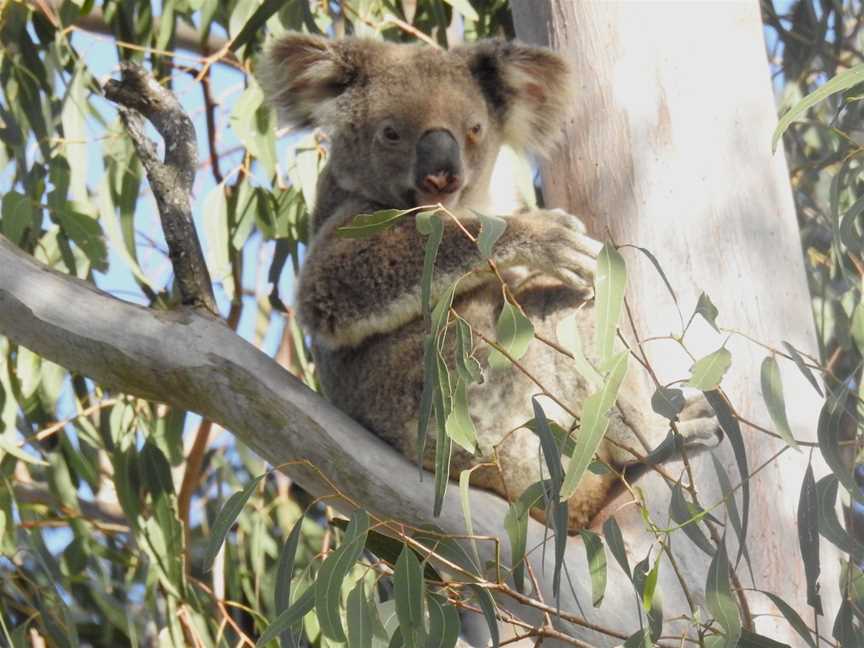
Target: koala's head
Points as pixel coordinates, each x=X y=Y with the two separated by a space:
x=413 y=125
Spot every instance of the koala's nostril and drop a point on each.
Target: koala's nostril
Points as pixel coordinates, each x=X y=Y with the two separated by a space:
x=441 y=182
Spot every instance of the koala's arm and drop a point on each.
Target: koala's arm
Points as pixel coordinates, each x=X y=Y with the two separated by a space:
x=352 y=289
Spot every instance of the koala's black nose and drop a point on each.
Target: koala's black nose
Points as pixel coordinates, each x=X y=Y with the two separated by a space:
x=439 y=163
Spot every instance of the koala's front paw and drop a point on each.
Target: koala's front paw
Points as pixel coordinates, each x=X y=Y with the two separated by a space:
x=562 y=248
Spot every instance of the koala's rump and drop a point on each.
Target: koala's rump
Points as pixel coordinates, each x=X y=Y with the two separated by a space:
x=380 y=383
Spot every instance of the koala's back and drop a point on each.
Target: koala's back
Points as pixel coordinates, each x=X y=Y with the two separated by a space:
x=380 y=382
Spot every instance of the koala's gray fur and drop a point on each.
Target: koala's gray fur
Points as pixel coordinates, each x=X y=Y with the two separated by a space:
x=359 y=300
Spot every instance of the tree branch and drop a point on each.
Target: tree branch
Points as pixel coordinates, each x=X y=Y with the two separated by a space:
x=139 y=96
x=194 y=362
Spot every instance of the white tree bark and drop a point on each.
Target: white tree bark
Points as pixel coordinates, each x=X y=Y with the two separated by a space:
x=669 y=149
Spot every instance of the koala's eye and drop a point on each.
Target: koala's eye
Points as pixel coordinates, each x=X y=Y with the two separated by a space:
x=391 y=135
x=475 y=133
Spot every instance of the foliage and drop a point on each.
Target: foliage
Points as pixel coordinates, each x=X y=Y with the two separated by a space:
x=112 y=532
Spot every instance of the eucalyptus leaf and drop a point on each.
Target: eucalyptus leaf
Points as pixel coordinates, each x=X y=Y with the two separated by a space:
x=610 y=280
x=225 y=520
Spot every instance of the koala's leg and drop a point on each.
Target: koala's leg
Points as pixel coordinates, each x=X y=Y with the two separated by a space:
x=698 y=425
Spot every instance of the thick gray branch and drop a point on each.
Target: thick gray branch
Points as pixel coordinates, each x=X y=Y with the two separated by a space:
x=140 y=96
x=193 y=362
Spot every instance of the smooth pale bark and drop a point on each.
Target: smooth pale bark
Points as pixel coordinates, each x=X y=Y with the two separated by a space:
x=669 y=149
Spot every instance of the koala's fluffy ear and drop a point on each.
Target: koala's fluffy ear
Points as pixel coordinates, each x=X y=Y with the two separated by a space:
x=528 y=88
x=302 y=74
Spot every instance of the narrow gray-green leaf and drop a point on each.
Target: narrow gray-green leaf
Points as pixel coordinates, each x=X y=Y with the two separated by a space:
x=551 y=453
x=443 y=445
x=808 y=537
x=516 y=525
x=829 y=434
x=301 y=607
x=368 y=225
x=492 y=227
x=464 y=7
x=596 y=556
x=465 y=500
x=685 y=514
x=284 y=574
x=513 y=333
x=792 y=617
x=609 y=283
x=750 y=639
x=487 y=605
x=615 y=542
x=595 y=420
x=459 y=424
x=732 y=509
x=732 y=430
x=843 y=81
x=568 y=335
x=255 y=23
x=829 y=526
x=359 y=618
x=225 y=520
x=707 y=373
x=798 y=359
x=719 y=599
x=328 y=585
x=466 y=364
x=772 y=392
x=408 y=591
x=444 y=624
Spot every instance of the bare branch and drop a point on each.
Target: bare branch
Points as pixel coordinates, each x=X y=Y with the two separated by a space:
x=140 y=96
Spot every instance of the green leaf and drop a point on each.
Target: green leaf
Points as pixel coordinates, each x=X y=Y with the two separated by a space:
x=707 y=373
x=792 y=617
x=368 y=225
x=829 y=433
x=464 y=7
x=467 y=366
x=408 y=591
x=857 y=329
x=719 y=599
x=444 y=624
x=668 y=402
x=772 y=392
x=843 y=81
x=16 y=216
x=225 y=520
x=732 y=509
x=443 y=445
x=465 y=500
x=459 y=425
x=328 y=585
x=706 y=308
x=359 y=618
x=829 y=527
x=551 y=452
x=492 y=227
x=650 y=586
x=687 y=515
x=596 y=556
x=284 y=574
x=487 y=605
x=609 y=283
x=255 y=23
x=615 y=542
x=513 y=332
x=86 y=233
x=753 y=640
x=302 y=606
x=808 y=537
x=802 y=367
x=568 y=336
x=595 y=420
x=516 y=525
x=732 y=431
x=216 y=230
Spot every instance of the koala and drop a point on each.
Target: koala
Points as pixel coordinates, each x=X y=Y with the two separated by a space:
x=412 y=125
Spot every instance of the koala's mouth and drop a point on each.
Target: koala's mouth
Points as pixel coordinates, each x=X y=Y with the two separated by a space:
x=417 y=198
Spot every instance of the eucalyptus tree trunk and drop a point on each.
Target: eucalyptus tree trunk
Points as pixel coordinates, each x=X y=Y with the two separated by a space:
x=669 y=148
